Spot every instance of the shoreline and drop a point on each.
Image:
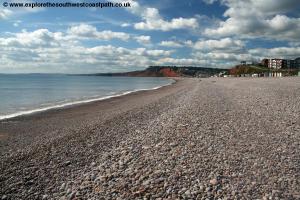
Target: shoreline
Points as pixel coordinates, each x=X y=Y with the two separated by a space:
x=44 y=124
x=77 y=103
x=196 y=139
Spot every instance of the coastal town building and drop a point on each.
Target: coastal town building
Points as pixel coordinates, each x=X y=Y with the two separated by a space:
x=275 y=63
x=278 y=67
x=288 y=64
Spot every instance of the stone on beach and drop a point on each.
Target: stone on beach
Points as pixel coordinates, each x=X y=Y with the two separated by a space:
x=214 y=139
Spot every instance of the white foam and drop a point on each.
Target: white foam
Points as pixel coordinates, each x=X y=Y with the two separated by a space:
x=17 y=114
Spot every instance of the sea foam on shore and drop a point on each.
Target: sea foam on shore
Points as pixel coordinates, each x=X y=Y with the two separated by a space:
x=28 y=94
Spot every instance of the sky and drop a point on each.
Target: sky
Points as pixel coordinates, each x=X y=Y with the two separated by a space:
x=201 y=33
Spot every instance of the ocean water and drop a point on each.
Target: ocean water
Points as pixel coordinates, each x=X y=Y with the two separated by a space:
x=22 y=94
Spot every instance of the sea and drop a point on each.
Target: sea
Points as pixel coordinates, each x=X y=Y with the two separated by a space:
x=23 y=94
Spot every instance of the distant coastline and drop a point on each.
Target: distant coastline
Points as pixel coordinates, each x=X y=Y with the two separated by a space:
x=167 y=71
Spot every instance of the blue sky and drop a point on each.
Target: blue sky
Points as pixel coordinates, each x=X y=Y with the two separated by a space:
x=203 y=33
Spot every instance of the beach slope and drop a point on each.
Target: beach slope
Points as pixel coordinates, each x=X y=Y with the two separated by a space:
x=211 y=138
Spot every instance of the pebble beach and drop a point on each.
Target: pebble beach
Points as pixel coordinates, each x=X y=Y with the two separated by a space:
x=213 y=138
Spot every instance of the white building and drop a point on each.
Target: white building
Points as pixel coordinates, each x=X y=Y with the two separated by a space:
x=275 y=63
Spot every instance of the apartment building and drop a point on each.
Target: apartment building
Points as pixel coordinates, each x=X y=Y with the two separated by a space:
x=275 y=63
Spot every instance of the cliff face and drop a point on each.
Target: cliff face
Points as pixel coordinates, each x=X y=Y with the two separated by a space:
x=167 y=72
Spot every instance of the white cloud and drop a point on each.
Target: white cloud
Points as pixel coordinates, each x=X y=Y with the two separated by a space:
x=172 y=44
x=229 y=59
x=278 y=52
x=88 y=31
x=177 y=44
x=182 y=61
x=154 y=21
x=157 y=53
x=209 y=45
x=256 y=18
x=45 y=51
x=36 y=39
x=125 y=25
x=209 y=1
x=5 y=13
x=274 y=6
x=223 y=56
x=222 y=59
x=225 y=44
x=143 y=39
x=160 y=24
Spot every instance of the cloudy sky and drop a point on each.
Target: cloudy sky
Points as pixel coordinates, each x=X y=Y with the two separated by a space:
x=204 y=33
